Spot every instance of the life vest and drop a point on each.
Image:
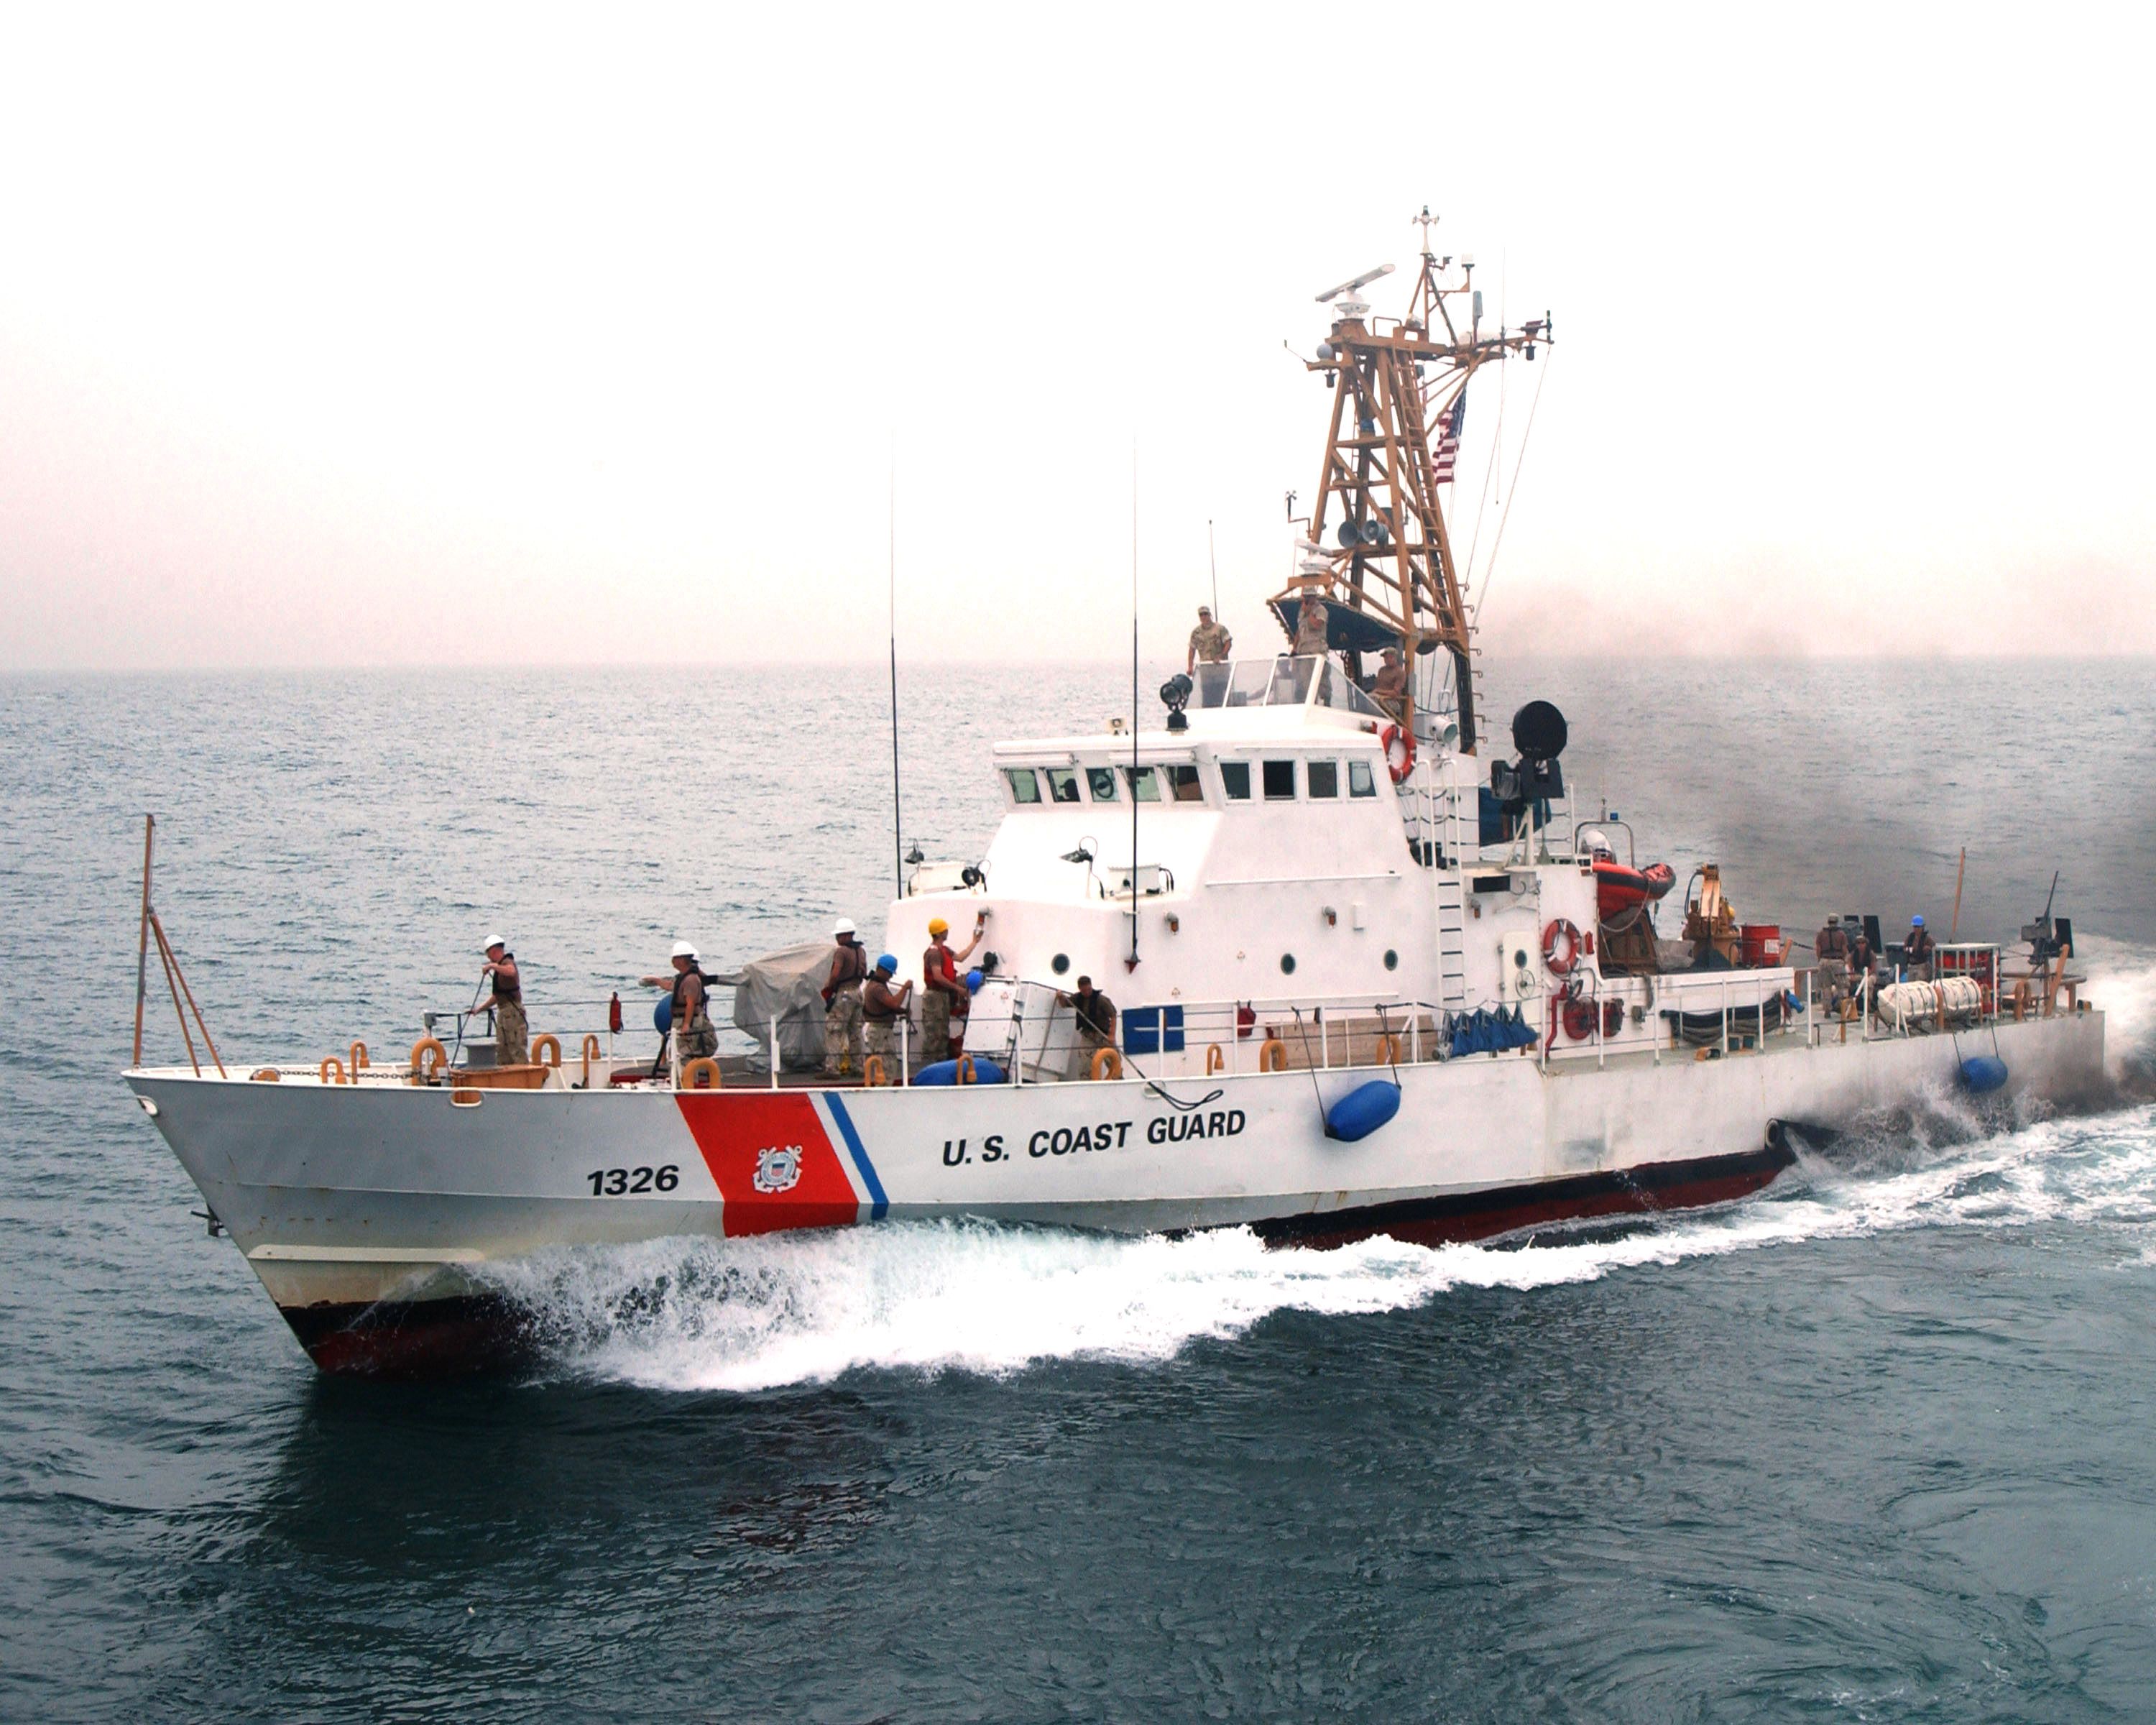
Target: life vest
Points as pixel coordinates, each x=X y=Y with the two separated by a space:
x=703 y=1004
x=513 y=995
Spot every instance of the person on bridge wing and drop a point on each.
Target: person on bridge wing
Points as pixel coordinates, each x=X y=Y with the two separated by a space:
x=1310 y=646
x=1096 y=1025
x=943 y=996
x=694 y=1037
x=842 y=1004
x=1210 y=644
x=1389 y=687
x=511 y=1033
x=1918 y=951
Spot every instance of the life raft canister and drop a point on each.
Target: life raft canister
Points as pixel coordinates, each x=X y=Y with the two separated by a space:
x=1561 y=945
x=1397 y=734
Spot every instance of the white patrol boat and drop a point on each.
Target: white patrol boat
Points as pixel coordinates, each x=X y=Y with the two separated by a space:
x=1374 y=976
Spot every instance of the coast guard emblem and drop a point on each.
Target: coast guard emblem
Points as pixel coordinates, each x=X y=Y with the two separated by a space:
x=778 y=1170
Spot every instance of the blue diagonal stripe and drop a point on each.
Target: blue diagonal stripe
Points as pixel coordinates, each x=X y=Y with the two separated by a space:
x=880 y=1206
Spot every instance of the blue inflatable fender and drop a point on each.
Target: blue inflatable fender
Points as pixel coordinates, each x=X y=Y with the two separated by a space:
x=1983 y=1073
x=662 y=1015
x=985 y=1071
x=1363 y=1111
x=973 y=981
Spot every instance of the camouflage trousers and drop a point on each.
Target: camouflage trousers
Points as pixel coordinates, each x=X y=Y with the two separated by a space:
x=935 y=1043
x=512 y=1035
x=842 y=1034
x=697 y=1041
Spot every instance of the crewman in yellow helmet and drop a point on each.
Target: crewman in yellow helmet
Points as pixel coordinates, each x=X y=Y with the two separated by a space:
x=942 y=993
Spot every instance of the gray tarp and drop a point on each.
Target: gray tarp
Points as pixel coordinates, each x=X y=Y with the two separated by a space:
x=787 y=984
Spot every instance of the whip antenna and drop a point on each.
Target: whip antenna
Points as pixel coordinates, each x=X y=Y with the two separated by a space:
x=1131 y=963
x=897 y=818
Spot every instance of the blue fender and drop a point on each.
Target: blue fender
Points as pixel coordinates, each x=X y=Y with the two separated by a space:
x=1981 y=1073
x=985 y=1071
x=662 y=1015
x=1363 y=1111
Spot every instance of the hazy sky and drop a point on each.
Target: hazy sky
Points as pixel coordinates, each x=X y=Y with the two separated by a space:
x=444 y=334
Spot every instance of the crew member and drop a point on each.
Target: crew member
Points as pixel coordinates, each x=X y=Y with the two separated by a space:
x=693 y=1037
x=1210 y=643
x=1830 y=947
x=1390 y=688
x=842 y=1004
x=1310 y=625
x=511 y=1033
x=882 y=1006
x=943 y=997
x=1918 y=951
x=1096 y=1023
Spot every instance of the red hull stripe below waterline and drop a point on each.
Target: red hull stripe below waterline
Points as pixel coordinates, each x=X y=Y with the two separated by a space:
x=1480 y=1215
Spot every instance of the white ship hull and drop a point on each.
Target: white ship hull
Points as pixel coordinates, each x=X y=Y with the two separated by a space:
x=370 y=1211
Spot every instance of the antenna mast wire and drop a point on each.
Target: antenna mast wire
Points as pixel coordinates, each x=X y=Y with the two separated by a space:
x=897 y=818
x=1213 y=558
x=1133 y=960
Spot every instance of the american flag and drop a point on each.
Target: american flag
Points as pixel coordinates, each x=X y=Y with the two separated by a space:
x=1448 y=444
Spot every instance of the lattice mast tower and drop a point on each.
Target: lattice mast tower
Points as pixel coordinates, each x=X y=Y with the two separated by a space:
x=1387 y=573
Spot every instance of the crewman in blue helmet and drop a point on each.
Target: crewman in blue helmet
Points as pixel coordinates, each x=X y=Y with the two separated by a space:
x=1918 y=951
x=882 y=1007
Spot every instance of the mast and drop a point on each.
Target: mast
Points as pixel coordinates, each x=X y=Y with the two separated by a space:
x=1386 y=571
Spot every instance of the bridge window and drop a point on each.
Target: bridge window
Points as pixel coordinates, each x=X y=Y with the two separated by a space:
x=1279 y=781
x=1182 y=783
x=1025 y=783
x=1361 y=782
x=1062 y=784
x=1101 y=782
x=1145 y=783
x=1325 y=778
x=1235 y=780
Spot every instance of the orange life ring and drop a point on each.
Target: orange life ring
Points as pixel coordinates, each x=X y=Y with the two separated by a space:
x=1273 y=1056
x=1561 y=945
x=543 y=1045
x=1397 y=734
x=429 y=1060
x=701 y=1075
x=1107 y=1063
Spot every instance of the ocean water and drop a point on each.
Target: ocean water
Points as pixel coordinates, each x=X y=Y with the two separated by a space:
x=1875 y=1445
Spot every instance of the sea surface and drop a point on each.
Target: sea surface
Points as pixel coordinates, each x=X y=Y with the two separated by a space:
x=1878 y=1444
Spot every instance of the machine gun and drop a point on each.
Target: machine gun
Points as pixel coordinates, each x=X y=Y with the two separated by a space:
x=2048 y=936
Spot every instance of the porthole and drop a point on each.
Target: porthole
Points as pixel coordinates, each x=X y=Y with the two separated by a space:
x=1392 y=959
x=1287 y=962
x=1059 y=963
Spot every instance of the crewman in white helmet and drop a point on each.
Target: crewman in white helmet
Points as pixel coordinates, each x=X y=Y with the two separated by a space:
x=511 y=1033
x=842 y=1004
x=693 y=1037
